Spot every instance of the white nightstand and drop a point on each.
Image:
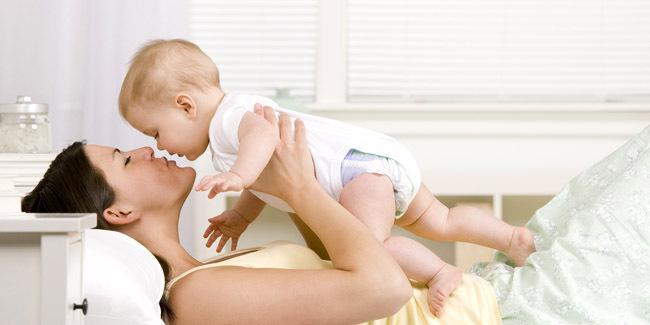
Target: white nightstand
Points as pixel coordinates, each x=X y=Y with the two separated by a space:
x=40 y=273
x=25 y=169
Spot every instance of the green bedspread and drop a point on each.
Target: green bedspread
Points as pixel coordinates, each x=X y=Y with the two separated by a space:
x=592 y=264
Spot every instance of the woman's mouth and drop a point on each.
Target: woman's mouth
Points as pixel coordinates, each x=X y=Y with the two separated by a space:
x=168 y=162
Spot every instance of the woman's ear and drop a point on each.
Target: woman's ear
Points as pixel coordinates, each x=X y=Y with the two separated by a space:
x=120 y=217
x=185 y=102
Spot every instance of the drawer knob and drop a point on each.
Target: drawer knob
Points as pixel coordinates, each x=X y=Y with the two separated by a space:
x=83 y=306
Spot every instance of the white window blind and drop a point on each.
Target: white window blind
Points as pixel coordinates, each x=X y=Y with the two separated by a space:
x=259 y=45
x=490 y=50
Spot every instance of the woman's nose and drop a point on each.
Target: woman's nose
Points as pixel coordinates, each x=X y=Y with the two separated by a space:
x=144 y=153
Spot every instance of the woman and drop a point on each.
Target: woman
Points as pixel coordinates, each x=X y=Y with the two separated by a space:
x=141 y=196
x=591 y=264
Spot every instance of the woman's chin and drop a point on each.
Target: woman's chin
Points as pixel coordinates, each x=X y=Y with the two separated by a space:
x=188 y=176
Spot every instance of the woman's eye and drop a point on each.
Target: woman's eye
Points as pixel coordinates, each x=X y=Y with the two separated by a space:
x=127 y=160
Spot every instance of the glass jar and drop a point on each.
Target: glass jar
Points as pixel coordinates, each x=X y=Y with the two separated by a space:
x=24 y=127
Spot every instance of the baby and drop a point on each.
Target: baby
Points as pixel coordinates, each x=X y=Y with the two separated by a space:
x=172 y=93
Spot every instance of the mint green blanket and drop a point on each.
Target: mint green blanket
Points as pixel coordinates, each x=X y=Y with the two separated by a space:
x=592 y=264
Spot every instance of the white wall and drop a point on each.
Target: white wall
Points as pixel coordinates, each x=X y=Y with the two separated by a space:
x=73 y=55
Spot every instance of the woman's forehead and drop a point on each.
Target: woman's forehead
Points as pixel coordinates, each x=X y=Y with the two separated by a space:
x=99 y=149
x=101 y=154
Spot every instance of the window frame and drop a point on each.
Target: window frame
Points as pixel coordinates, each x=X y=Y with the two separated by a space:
x=332 y=68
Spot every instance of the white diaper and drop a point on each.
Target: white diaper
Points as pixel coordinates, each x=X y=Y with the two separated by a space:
x=356 y=163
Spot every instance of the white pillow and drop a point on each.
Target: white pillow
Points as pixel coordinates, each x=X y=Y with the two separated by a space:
x=122 y=280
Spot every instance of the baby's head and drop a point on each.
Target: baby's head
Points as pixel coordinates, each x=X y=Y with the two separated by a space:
x=170 y=93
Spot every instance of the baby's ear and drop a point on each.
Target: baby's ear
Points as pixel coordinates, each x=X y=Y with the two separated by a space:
x=186 y=103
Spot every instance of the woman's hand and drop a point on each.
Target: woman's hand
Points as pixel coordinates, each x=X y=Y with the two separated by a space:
x=291 y=167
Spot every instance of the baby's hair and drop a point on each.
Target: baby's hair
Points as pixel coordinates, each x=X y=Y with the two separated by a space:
x=161 y=68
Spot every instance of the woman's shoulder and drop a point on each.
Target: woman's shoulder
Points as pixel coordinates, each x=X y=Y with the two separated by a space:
x=210 y=288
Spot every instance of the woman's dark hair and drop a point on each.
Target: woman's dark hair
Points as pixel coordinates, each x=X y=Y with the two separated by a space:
x=73 y=185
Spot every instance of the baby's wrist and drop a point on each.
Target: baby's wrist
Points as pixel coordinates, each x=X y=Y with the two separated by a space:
x=243 y=216
x=241 y=178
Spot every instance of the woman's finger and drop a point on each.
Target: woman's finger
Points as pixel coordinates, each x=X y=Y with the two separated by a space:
x=257 y=109
x=286 y=129
x=269 y=115
x=301 y=132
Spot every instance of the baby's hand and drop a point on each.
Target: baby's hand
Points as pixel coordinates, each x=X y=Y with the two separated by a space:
x=228 y=225
x=222 y=182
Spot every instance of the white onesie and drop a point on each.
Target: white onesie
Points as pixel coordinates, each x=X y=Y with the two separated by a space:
x=329 y=142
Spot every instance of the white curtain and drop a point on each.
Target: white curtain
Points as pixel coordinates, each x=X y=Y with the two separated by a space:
x=73 y=54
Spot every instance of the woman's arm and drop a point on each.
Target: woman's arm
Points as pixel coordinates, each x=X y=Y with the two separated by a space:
x=365 y=284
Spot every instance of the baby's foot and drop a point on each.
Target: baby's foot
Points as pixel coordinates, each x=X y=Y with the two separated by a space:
x=521 y=245
x=441 y=286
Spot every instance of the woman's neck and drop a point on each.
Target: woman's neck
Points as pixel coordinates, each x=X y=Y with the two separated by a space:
x=162 y=240
x=170 y=249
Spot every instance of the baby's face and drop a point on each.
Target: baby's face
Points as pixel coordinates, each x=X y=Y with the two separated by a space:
x=172 y=130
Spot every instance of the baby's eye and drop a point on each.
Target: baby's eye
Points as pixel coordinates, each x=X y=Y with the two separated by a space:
x=127 y=161
x=156 y=136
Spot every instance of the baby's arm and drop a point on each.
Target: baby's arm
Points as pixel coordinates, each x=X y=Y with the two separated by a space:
x=257 y=141
x=249 y=206
x=230 y=224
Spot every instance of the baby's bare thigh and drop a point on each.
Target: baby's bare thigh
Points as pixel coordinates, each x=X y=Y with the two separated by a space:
x=423 y=203
x=370 y=198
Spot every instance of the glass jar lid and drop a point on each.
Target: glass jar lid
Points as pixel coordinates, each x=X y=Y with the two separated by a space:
x=24 y=105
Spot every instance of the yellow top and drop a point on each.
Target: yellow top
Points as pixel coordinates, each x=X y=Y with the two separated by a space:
x=473 y=302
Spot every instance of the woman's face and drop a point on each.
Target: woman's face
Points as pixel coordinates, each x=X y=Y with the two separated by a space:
x=142 y=180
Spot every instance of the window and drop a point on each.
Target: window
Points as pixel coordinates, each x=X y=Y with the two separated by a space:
x=259 y=46
x=430 y=51
x=491 y=50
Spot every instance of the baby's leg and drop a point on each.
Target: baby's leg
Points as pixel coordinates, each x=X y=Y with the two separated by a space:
x=370 y=198
x=428 y=218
